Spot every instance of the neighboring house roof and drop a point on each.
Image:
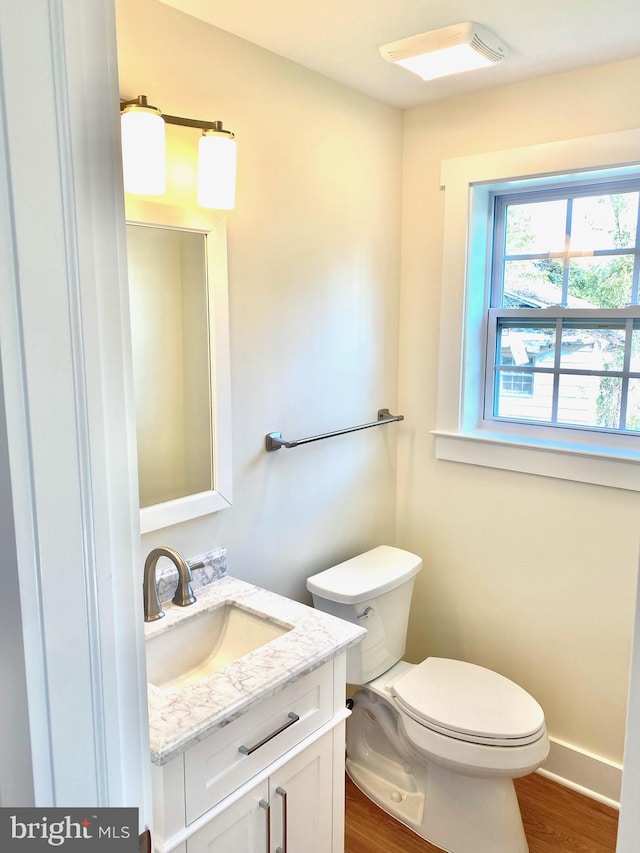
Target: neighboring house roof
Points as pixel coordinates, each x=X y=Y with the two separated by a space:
x=541 y=296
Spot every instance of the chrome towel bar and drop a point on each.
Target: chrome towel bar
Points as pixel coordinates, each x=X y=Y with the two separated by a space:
x=274 y=440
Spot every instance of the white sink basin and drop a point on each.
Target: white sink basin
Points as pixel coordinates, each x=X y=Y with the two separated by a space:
x=197 y=647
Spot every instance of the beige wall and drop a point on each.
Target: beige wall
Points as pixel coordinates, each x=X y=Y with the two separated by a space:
x=314 y=250
x=532 y=576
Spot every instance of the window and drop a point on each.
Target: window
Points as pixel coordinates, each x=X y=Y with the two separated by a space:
x=564 y=319
x=539 y=360
x=514 y=381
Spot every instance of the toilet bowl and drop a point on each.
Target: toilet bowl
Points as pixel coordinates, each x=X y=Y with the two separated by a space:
x=435 y=744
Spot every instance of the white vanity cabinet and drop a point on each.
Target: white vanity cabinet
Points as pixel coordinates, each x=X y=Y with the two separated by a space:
x=290 y=811
x=243 y=825
x=270 y=781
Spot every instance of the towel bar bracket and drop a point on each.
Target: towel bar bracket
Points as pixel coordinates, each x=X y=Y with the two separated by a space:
x=274 y=440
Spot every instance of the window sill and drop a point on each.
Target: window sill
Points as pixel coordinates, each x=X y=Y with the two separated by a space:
x=618 y=469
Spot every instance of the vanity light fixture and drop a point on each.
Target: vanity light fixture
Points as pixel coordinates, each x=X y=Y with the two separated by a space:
x=143 y=148
x=144 y=157
x=449 y=50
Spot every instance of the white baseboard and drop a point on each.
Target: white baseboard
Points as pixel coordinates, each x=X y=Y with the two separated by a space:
x=583 y=771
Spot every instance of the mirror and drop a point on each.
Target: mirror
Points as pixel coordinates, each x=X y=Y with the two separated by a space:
x=177 y=266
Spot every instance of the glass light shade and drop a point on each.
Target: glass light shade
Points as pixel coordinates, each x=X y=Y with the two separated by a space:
x=217 y=170
x=441 y=63
x=143 y=151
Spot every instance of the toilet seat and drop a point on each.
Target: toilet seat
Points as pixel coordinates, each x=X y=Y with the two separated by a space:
x=469 y=703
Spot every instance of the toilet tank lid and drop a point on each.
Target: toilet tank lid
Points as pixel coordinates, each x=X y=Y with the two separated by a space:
x=365 y=576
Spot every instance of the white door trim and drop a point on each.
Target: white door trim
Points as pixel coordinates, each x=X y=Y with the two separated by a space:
x=70 y=442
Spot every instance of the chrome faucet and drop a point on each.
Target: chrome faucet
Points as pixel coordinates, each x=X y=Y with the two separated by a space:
x=184 y=594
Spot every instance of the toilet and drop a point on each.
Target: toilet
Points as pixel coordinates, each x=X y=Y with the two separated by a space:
x=435 y=744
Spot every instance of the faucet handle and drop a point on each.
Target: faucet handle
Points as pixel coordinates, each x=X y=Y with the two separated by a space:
x=184 y=594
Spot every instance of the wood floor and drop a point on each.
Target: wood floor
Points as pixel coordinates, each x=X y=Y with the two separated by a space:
x=556 y=820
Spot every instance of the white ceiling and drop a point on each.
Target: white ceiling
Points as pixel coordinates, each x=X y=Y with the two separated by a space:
x=340 y=38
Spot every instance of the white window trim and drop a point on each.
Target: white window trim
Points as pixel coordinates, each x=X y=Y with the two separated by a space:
x=461 y=435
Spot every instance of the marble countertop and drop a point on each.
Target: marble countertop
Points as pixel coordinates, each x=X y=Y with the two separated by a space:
x=181 y=717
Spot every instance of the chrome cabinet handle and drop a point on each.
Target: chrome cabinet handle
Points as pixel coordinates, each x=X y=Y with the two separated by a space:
x=366 y=613
x=265 y=805
x=291 y=719
x=283 y=794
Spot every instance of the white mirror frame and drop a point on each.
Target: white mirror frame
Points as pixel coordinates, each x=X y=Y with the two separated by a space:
x=213 y=225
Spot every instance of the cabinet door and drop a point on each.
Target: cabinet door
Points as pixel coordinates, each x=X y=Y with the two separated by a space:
x=301 y=801
x=243 y=827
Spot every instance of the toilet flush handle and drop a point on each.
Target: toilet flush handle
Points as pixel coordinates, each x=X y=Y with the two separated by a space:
x=368 y=612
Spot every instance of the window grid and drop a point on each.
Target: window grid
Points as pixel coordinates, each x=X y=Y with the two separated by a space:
x=503 y=376
x=625 y=374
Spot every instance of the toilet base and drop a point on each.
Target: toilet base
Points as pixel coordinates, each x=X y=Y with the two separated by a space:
x=458 y=812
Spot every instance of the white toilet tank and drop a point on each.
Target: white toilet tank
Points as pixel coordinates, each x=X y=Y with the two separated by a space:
x=372 y=590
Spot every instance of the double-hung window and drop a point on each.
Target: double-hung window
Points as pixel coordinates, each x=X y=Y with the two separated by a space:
x=539 y=360
x=563 y=342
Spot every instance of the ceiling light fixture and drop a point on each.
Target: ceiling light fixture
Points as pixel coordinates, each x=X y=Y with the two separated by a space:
x=144 y=158
x=449 y=50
